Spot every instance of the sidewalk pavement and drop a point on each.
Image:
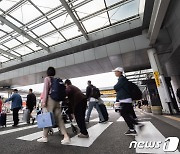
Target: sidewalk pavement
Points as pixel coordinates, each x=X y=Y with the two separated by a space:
x=173 y=120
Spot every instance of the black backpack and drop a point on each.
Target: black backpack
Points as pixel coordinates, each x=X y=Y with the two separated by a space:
x=135 y=92
x=95 y=93
x=58 y=89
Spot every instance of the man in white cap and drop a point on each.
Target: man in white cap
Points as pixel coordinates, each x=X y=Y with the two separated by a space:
x=124 y=97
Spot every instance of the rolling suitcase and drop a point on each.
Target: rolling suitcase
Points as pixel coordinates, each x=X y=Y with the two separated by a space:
x=104 y=111
x=3 y=119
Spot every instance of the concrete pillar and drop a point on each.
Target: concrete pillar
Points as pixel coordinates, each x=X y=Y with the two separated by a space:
x=160 y=82
x=175 y=82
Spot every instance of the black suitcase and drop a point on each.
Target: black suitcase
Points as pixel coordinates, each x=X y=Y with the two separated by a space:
x=3 y=119
x=104 y=111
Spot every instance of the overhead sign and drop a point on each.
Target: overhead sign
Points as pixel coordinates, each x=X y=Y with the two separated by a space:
x=156 y=76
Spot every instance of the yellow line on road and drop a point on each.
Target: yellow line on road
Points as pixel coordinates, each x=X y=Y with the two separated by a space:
x=173 y=118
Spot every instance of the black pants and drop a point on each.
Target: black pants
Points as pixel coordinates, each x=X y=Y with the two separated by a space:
x=127 y=113
x=133 y=114
x=16 y=115
x=79 y=113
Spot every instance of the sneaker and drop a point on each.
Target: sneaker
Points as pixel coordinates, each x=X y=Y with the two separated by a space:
x=43 y=140
x=86 y=120
x=134 y=133
x=83 y=136
x=65 y=141
x=33 y=120
x=103 y=122
x=15 y=125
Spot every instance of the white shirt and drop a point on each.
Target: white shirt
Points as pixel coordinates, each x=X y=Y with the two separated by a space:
x=93 y=99
x=127 y=100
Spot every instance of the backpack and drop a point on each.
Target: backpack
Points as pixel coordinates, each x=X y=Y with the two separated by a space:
x=135 y=92
x=95 y=93
x=58 y=89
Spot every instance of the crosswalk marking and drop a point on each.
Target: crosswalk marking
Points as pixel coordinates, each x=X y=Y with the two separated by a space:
x=37 y=135
x=16 y=129
x=94 y=132
x=150 y=133
x=120 y=118
x=95 y=120
x=23 y=123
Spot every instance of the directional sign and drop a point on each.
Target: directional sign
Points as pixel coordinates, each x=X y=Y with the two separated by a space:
x=156 y=76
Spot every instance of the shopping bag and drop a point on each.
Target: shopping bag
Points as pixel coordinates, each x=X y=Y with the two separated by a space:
x=45 y=120
x=26 y=115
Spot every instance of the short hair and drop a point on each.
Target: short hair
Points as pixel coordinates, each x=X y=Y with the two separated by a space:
x=89 y=81
x=15 y=90
x=30 y=90
x=51 y=71
x=68 y=82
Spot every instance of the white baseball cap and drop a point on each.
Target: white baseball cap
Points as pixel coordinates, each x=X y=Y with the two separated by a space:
x=118 y=69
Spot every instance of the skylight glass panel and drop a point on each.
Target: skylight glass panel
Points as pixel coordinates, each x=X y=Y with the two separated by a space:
x=34 y=46
x=13 y=21
x=96 y=22
x=55 y=13
x=53 y=39
x=6 y=4
x=5 y=28
x=90 y=8
x=3 y=47
x=111 y=2
x=22 y=39
x=43 y=29
x=12 y=43
x=124 y=11
x=23 y=50
x=4 y=39
x=3 y=59
x=71 y=32
x=42 y=43
x=37 y=22
x=46 y=5
x=26 y=13
x=14 y=53
x=2 y=33
x=77 y=2
x=62 y=20
x=31 y=34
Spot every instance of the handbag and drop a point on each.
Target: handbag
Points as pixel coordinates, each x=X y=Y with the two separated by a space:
x=45 y=119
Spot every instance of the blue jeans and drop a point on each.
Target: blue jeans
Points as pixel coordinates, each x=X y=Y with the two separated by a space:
x=91 y=105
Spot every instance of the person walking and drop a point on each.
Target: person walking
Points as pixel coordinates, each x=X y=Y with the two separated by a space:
x=1 y=103
x=50 y=105
x=124 y=97
x=31 y=104
x=78 y=103
x=15 y=106
x=93 y=102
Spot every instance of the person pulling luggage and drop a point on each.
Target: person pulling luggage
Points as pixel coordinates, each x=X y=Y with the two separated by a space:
x=93 y=95
x=78 y=102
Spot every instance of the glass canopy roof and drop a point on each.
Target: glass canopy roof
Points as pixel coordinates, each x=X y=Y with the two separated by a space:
x=49 y=22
